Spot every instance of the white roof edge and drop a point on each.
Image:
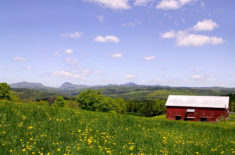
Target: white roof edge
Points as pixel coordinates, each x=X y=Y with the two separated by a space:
x=198 y=101
x=198 y=96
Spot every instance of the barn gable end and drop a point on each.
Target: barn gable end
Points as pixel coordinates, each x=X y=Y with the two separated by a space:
x=197 y=108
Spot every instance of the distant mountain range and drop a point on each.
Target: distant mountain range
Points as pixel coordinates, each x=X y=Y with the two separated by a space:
x=70 y=86
x=64 y=86
x=129 y=90
x=29 y=85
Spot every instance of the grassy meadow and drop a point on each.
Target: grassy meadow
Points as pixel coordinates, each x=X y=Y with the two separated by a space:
x=42 y=129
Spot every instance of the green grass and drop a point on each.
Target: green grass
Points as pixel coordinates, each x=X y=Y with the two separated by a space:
x=30 y=128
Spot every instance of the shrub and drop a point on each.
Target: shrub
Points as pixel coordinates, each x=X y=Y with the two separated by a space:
x=60 y=101
x=4 y=91
x=93 y=100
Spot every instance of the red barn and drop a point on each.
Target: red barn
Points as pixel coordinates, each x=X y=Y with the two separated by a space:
x=197 y=108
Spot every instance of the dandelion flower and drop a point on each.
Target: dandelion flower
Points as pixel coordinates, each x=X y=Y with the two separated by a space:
x=30 y=127
x=109 y=152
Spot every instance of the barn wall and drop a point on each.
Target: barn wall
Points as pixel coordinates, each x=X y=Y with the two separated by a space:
x=212 y=114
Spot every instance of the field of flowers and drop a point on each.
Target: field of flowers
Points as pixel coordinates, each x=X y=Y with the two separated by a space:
x=36 y=129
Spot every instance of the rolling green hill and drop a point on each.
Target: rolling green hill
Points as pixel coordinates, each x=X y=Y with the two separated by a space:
x=125 y=91
x=35 y=129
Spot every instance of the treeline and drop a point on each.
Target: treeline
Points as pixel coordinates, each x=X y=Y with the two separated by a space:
x=147 y=107
x=95 y=101
x=232 y=102
x=92 y=100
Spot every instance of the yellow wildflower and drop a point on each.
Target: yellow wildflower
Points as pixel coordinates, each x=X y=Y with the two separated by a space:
x=30 y=127
x=89 y=141
x=131 y=148
x=109 y=152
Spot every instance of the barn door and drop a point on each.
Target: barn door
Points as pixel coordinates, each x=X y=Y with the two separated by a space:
x=203 y=119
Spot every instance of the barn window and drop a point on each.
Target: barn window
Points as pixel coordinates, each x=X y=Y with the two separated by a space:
x=203 y=119
x=177 y=117
x=190 y=110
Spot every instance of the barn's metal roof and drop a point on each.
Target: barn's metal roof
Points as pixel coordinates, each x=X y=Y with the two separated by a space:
x=198 y=101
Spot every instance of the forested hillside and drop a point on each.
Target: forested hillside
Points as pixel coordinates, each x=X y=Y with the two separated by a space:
x=134 y=96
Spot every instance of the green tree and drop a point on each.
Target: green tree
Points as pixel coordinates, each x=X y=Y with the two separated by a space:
x=152 y=107
x=104 y=104
x=4 y=91
x=119 y=105
x=93 y=100
x=59 y=101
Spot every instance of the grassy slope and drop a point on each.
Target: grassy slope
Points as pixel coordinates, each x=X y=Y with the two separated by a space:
x=42 y=129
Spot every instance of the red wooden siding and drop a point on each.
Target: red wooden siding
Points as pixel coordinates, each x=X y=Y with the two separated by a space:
x=212 y=114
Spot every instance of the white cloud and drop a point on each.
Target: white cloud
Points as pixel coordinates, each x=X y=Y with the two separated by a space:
x=149 y=58
x=81 y=74
x=168 y=4
x=205 y=25
x=100 y=18
x=197 y=40
x=19 y=59
x=28 y=68
x=187 y=38
x=71 y=60
x=117 y=55
x=74 y=35
x=129 y=76
x=210 y=77
x=196 y=77
x=169 y=34
x=172 y=4
x=142 y=2
x=106 y=39
x=205 y=77
x=112 y=4
x=183 y=2
x=69 y=51
x=86 y=72
x=67 y=74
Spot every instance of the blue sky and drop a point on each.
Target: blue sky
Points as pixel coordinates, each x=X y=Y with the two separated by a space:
x=167 y=42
